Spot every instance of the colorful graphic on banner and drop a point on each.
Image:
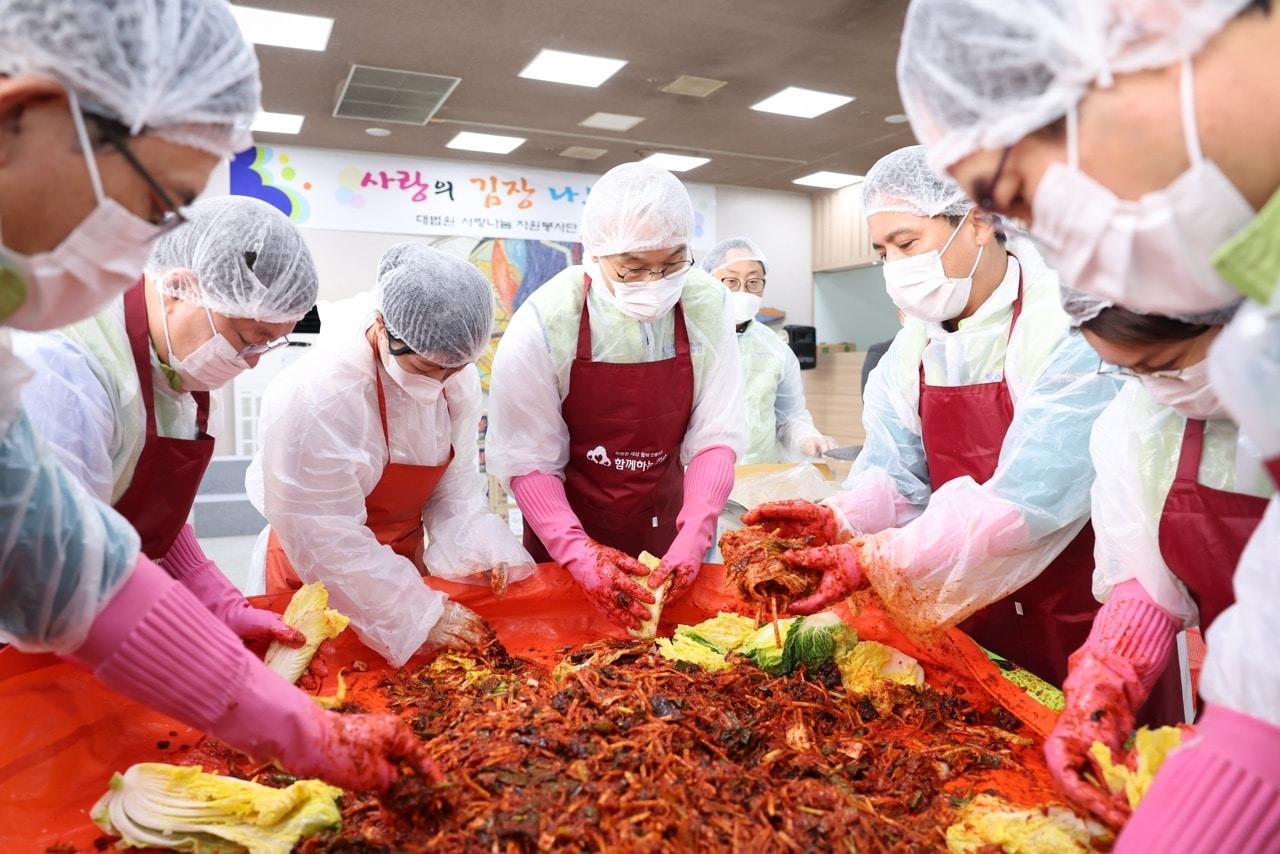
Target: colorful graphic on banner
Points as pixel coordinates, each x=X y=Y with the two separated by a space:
x=355 y=191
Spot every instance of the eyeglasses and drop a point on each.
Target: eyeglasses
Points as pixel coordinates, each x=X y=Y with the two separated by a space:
x=117 y=135
x=263 y=349
x=1108 y=370
x=751 y=286
x=639 y=274
x=986 y=195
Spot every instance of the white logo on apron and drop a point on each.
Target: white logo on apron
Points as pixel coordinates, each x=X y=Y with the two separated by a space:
x=598 y=455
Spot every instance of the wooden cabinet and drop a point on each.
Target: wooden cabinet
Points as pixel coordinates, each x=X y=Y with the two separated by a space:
x=840 y=236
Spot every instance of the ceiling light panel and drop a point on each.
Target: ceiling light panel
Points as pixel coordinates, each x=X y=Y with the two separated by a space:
x=610 y=121
x=575 y=69
x=283 y=29
x=802 y=103
x=828 y=180
x=675 y=162
x=489 y=143
x=277 y=123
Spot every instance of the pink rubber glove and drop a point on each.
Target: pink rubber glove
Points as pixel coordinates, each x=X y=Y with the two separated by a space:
x=156 y=643
x=841 y=575
x=188 y=563
x=707 y=484
x=1219 y=792
x=606 y=575
x=796 y=519
x=1108 y=681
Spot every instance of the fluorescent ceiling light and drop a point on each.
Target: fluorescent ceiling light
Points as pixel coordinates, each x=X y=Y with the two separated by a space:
x=283 y=29
x=828 y=180
x=277 y=123
x=611 y=121
x=675 y=162
x=489 y=143
x=804 y=103
x=576 y=69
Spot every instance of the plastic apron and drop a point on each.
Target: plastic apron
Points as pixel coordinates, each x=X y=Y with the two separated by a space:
x=1203 y=532
x=1039 y=625
x=168 y=473
x=626 y=424
x=393 y=510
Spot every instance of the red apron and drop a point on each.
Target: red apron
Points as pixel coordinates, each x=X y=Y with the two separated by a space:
x=626 y=424
x=1203 y=532
x=168 y=474
x=1048 y=618
x=393 y=510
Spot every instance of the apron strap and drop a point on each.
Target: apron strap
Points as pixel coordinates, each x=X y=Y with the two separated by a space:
x=382 y=397
x=138 y=331
x=1192 y=448
x=1017 y=302
x=682 y=331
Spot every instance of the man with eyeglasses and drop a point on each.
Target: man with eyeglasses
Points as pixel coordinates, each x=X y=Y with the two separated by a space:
x=612 y=378
x=123 y=397
x=779 y=426
x=969 y=503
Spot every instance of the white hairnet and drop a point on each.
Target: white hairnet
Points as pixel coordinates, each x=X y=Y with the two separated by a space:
x=636 y=207
x=982 y=74
x=732 y=250
x=438 y=304
x=1082 y=307
x=903 y=182
x=247 y=258
x=178 y=69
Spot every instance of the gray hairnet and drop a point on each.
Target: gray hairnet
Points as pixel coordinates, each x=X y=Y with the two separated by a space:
x=734 y=249
x=178 y=69
x=1081 y=308
x=903 y=182
x=982 y=74
x=636 y=207
x=247 y=258
x=438 y=304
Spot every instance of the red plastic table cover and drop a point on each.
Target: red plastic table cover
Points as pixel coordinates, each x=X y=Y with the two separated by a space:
x=62 y=734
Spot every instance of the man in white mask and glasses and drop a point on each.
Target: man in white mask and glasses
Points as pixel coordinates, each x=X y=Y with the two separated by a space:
x=616 y=408
x=779 y=426
x=368 y=471
x=125 y=108
x=123 y=397
x=969 y=503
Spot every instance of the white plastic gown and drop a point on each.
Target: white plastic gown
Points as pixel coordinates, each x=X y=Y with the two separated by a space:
x=85 y=401
x=63 y=555
x=531 y=370
x=777 y=419
x=940 y=555
x=322 y=452
x=1135 y=447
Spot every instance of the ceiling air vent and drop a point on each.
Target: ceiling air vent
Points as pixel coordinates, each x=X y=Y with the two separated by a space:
x=583 y=152
x=695 y=87
x=392 y=95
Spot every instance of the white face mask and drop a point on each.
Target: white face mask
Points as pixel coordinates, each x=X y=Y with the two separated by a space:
x=744 y=306
x=920 y=286
x=100 y=259
x=423 y=389
x=1190 y=393
x=643 y=301
x=1151 y=255
x=211 y=365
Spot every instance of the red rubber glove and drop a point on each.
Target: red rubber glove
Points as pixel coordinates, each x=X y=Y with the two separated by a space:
x=841 y=575
x=707 y=484
x=1109 y=679
x=795 y=519
x=187 y=562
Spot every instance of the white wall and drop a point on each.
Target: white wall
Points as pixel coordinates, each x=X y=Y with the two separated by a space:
x=853 y=306
x=781 y=223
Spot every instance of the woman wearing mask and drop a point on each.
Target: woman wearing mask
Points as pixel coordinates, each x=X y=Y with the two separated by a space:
x=128 y=130
x=613 y=378
x=123 y=398
x=969 y=503
x=368 y=467
x=1138 y=141
x=1176 y=483
x=779 y=427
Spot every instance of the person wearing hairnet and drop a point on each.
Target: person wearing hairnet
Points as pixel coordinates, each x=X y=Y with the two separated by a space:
x=368 y=469
x=615 y=413
x=128 y=130
x=778 y=423
x=1135 y=139
x=1175 y=482
x=969 y=503
x=123 y=397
